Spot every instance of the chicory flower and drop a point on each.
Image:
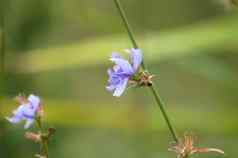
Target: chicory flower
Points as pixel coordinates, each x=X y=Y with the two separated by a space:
x=26 y=111
x=122 y=71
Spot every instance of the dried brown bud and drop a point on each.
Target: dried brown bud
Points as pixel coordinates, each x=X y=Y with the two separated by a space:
x=35 y=137
x=51 y=131
x=21 y=99
x=146 y=79
x=185 y=148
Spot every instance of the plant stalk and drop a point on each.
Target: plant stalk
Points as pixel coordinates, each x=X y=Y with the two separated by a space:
x=2 y=56
x=153 y=89
x=44 y=142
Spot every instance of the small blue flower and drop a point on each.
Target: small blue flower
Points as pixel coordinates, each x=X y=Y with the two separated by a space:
x=122 y=71
x=26 y=110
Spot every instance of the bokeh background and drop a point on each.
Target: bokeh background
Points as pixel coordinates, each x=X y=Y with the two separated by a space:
x=59 y=50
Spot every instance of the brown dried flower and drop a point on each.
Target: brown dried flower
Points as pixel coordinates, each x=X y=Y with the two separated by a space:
x=35 y=137
x=143 y=78
x=185 y=147
x=146 y=79
x=21 y=99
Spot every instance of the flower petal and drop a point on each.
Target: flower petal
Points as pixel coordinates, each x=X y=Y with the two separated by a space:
x=34 y=101
x=13 y=119
x=28 y=123
x=110 y=87
x=26 y=112
x=110 y=72
x=120 y=88
x=124 y=65
x=136 y=58
x=115 y=55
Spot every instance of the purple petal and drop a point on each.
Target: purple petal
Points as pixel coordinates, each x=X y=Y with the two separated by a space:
x=14 y=119
x=28 y=123
x=29 y=111
x=26 y=112
x=136 y=58
x=124 y=65
x=34 y=101
x=120 y=88
x=17 y=115
x=110 y=87
x=115 y=55
x=109 y=72
x=19 y=110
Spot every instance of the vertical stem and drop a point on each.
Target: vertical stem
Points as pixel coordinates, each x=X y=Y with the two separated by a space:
x=44 y=141
x=2 y=57
x=155 y=93
x=45 y=146
x=2 y=53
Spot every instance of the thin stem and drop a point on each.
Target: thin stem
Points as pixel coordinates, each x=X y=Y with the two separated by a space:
x=2 y=57
x=127 y=26
x=155 y=93
x=44 y=142
x=160 y=103
x=126 y=23
x=45 y=146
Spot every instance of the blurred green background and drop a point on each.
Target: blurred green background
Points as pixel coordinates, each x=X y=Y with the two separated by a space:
x=59 y=50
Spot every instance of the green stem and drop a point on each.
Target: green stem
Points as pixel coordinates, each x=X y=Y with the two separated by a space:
x=126 y=23
x=127 y=26
x=160 y=103
x=44 y=142
x=2 y=57
x=155 y=93
x=45 y=146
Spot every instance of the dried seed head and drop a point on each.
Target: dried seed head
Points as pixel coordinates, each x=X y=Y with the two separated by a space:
x=35 y=137
x=185 y=147
x=145 y=79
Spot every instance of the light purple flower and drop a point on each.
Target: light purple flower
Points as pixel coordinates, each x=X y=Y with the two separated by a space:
x=26 y=111
x=122 y=71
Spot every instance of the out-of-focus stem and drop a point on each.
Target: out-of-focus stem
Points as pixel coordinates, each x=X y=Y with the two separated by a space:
x=153 y=89
x=2 y=58
x=44 y=142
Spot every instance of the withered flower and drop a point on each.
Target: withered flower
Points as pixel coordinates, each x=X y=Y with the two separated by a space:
x=185 y=148
x=145 y=79
x=35 y=137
